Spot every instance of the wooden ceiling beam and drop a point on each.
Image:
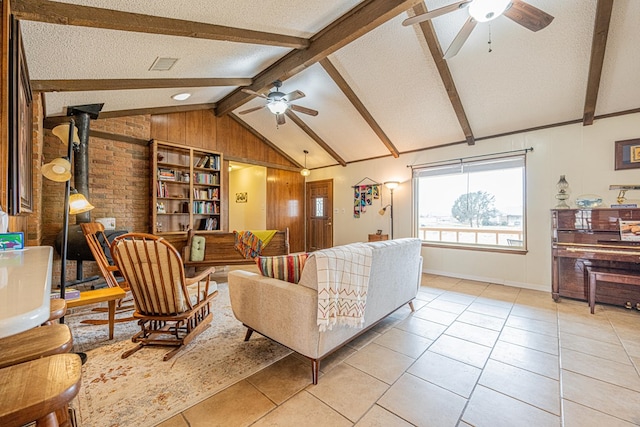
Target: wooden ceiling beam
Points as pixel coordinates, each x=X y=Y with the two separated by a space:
x=264 y=139
x=54 y=12
x=126 y=84
x=598 y=48
x=355 y=101
x=51 y=122
x=306 y=129
x=358 y=21
x=430 y=37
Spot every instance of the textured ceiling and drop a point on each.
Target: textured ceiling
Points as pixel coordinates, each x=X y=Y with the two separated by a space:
x=527 y=80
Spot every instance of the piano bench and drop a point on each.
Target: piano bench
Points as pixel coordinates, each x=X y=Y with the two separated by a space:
x=607 y=275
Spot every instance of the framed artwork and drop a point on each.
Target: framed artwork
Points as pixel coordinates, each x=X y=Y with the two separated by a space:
x=20 y=127
x=241 y=197
x=627 y=154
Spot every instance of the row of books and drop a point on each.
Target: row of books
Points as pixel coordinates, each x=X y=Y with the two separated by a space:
x=166 y=174
x=209 y=193
x=211 y=162
x=69 y=294
x=206 y=208
x=208 y=224
x=205 y=178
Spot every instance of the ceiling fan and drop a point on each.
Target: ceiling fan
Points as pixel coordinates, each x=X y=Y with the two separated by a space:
x=518 y=11
x=278 y=103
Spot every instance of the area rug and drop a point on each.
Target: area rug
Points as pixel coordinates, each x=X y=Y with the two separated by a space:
x=142 y=390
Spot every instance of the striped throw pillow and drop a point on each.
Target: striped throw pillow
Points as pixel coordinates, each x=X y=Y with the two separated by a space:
x=283 y=267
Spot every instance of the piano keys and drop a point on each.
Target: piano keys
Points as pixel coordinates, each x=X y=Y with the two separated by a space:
x=591 y=238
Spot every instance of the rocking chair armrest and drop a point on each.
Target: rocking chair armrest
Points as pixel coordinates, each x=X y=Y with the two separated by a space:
x=200 y=277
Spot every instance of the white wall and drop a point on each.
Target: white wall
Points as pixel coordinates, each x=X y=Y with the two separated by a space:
x=584 y=154
x=251 y=215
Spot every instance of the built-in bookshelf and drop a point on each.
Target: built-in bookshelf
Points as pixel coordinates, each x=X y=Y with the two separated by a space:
x=186 y=188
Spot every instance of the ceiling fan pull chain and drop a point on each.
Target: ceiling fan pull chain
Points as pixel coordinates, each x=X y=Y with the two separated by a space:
x=490 y=50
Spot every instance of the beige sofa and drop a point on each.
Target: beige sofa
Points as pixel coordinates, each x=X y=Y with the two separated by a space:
x=287 y=313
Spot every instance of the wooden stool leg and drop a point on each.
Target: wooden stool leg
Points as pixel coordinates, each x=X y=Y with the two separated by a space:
x=112 y=316
x=48 y=420
x=592 y=291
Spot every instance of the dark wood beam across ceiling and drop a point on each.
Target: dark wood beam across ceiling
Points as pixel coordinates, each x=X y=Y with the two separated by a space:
x=426 y=27
x=51 y=122
x=54 y=12
x=358 y=21
x=355 y=101
x=302 y=125
x=125 y=84
x=598 y=48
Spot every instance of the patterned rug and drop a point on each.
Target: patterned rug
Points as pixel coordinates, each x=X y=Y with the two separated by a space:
x=142 y=390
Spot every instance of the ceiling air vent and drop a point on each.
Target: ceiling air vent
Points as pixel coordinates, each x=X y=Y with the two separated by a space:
x=163 y=64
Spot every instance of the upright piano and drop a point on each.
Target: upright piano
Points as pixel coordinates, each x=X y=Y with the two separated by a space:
x=591 y=238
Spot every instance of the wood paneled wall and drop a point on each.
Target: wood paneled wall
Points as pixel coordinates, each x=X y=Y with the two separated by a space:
x=285 y=189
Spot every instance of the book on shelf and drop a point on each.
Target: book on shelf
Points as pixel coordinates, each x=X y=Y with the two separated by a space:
x=208 y=224
x=624 y=206
x=166 y=174
x=69 y=293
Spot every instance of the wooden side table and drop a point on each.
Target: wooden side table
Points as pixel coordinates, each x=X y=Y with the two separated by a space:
x=378 y=237
x=100 y=295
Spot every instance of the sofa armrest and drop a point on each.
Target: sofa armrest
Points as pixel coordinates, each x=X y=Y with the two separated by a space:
x=282 y=311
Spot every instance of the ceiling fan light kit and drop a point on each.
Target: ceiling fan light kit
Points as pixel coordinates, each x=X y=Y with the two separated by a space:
x=487 y=10
x=518 y=11
x=278 y=102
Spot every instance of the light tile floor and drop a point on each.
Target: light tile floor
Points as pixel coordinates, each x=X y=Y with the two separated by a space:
x=472 y=354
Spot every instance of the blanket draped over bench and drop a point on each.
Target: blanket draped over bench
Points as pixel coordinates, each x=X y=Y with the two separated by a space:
x=343 y=279
x=250 y=243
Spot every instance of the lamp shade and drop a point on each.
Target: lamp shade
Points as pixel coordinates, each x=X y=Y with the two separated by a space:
x=78 y=204
x=62 y=132
x=487 y=10
x=58 y=170
x=305 y=172
x=391 y=184
x=277 y=107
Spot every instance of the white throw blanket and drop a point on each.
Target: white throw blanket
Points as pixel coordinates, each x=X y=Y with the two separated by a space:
x=343 y=281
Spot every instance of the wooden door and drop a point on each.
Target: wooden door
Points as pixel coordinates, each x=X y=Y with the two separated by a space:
x=319 y=214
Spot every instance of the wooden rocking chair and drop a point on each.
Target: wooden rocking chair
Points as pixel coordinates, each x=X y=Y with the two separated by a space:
x=93 y=232
x=171 y=309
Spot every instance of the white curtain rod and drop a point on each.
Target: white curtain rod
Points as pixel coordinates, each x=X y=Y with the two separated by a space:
x=461 y=159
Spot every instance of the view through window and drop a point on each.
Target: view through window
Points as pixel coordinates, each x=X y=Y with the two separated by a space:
x=478 y=203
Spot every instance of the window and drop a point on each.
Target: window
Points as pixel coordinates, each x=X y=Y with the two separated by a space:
x=477 y=203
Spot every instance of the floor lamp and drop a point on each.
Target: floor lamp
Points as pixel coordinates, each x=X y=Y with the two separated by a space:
x=391 y=185
x=59 y=170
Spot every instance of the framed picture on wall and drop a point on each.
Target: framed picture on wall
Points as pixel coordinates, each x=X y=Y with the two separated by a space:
x=20 y=127
x=627 y=154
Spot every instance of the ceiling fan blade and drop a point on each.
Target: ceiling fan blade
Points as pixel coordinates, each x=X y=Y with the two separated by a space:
x=292 y=96
x=462 y=37
x=251 y=92
x=304 y=110
x=251 y=110
x=435 y=13
x=280 y=119
x=528 y=16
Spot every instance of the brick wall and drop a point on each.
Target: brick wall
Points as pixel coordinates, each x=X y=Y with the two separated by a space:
x=118 y=184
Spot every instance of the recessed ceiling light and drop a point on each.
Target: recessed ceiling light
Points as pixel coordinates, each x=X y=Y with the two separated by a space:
x=181 y=96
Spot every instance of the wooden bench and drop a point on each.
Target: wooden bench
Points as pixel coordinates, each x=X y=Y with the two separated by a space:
x=111 y=295
x=220 y=249
x=593 y=274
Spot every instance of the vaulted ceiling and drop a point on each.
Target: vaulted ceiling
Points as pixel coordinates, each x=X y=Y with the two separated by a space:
x=381 y=88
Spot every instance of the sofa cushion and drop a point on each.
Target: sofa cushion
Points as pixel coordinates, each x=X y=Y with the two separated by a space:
x=283 y=267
